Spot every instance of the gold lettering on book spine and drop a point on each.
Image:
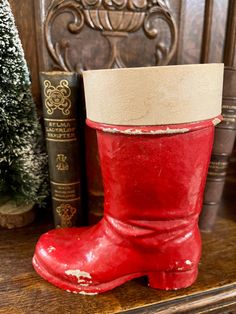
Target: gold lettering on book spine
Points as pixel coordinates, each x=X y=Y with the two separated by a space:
x=57 y=97
x=66 y=212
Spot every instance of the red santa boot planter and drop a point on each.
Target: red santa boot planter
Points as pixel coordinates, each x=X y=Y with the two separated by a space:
x=155 y=131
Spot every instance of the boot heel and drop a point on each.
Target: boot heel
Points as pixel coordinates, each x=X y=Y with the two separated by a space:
x=172 y=280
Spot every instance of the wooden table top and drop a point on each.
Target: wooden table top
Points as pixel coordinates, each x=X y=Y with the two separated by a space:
x=23 y=291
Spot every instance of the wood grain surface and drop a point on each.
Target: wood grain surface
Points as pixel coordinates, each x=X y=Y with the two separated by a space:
x=23 y=12
x=23 y=291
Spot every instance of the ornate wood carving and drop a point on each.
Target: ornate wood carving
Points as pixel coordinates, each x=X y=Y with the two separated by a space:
x=69 y=23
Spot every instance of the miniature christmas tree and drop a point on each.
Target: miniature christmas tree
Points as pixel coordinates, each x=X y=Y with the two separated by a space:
x=23 y=161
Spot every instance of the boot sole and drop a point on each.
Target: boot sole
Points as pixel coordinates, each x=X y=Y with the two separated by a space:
x=157 y=280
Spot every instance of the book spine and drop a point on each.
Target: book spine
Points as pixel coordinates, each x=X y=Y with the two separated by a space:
x=231 y=171
x=223 y=145
x=60 y=111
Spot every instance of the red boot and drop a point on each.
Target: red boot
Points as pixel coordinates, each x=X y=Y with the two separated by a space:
x=153 y=180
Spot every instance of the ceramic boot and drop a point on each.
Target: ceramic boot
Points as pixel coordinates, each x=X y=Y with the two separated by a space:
x=155 y=142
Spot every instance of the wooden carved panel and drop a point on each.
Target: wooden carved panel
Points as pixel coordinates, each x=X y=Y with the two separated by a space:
x=84 y=34
x=91 y=47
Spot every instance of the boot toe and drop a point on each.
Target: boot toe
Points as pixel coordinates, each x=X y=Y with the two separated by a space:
x=53 y=254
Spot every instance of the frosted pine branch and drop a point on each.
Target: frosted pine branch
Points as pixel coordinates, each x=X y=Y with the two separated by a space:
x=23 y=161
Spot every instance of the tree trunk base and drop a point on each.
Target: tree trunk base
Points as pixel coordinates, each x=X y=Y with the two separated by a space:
x=15 y=216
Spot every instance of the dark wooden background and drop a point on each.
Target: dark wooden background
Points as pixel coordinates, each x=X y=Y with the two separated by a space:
x=193 y=46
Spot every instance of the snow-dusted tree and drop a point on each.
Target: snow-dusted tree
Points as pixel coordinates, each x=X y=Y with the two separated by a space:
x=23 y=161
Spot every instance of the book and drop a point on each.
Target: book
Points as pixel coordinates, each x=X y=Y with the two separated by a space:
x=60 y=113
x=231 y=170
x=222 y=148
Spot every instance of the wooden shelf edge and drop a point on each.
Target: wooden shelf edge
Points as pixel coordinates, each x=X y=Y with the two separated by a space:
x=209 y=301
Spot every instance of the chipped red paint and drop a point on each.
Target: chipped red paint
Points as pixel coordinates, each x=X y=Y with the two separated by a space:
x=153 y=196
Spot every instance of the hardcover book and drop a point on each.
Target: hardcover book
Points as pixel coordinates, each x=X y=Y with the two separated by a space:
x=223 y=145
x=60 y=109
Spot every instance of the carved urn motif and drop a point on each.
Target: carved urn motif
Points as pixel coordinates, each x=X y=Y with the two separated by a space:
x=115 y=19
